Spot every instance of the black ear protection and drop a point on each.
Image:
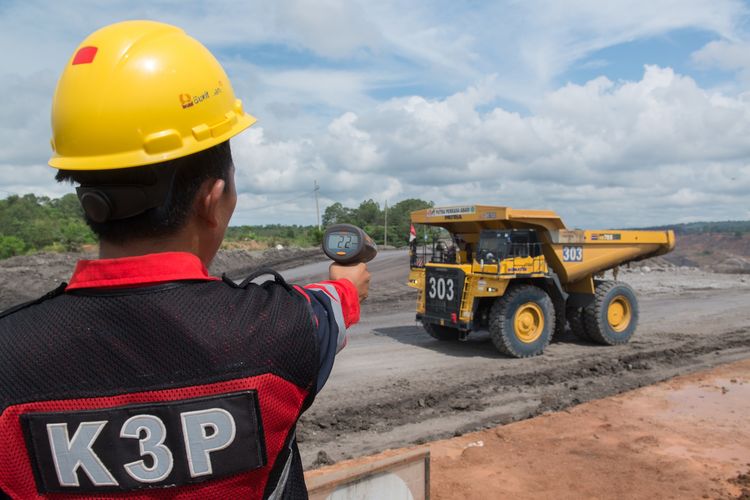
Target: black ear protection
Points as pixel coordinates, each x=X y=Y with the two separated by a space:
x=96 y=204
x=103 y=202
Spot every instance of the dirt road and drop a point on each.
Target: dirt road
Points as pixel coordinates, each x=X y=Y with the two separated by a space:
x=393 y=385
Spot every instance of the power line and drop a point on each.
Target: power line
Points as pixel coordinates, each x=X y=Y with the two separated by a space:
x=385 y=226
x=316 y=188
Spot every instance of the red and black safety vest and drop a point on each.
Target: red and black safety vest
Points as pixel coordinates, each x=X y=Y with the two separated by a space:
x=154 y=383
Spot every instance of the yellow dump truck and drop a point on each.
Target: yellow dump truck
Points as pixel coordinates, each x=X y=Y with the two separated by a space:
x=522 y=275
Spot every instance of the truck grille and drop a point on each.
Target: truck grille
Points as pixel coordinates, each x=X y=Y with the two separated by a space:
x=442 y=292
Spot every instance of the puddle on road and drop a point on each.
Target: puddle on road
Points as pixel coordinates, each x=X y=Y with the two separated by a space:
x=710 y=400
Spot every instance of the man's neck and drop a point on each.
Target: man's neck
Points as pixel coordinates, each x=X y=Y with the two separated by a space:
x=133 y=248
x=192 y=238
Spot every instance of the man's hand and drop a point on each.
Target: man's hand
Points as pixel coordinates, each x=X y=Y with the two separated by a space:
x=356 y=273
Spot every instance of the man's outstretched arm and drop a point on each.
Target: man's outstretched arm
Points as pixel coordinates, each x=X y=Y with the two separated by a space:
x=335 y=307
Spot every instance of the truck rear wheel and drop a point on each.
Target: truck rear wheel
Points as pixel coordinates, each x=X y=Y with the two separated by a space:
x=439 y=332
x=574 y=316
x=522 y=321
x=560 y=317
x=612 y=317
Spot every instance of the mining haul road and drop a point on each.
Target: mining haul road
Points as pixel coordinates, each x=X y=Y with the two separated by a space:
x=393 y=385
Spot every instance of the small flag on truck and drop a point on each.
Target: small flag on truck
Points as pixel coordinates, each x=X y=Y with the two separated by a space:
x=412 y=234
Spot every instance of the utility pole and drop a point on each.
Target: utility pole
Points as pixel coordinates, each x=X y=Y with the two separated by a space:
x=316 y=188
x=385 y=226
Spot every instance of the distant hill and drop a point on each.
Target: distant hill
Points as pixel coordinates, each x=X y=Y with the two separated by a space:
x=723 y=252
x=721 y=246
x=720 y=227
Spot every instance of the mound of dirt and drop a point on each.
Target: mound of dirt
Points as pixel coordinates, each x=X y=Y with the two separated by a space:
x=28 y=277
x=238 y=263
x=738 y=265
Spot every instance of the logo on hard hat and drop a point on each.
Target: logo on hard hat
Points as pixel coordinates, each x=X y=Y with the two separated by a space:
x=186 y=100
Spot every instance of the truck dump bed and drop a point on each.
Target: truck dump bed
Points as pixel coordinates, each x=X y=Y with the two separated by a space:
x=573 y=254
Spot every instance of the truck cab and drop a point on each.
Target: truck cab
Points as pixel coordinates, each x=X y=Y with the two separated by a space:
x=509 y=252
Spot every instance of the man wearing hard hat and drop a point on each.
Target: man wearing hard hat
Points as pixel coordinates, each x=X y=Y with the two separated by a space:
x=144 y=376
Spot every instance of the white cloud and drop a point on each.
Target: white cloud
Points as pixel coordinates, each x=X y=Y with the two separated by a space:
x=37 y=179
x=354 y=148
x=333 y=88
x=563 y=32
x=727 y=55
x=24 y=117
x=273 y=167
x=335 y=28
x=602 y=153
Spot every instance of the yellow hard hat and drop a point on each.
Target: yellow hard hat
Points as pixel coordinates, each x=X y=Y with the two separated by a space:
x=141 y=92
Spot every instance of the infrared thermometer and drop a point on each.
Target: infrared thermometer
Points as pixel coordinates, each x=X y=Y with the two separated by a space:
x=348 y=244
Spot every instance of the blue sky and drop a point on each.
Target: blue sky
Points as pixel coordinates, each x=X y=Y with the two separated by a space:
x=625 y=61
x=618 y=113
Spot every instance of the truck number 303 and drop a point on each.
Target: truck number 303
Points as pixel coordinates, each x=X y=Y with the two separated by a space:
x=441 y=288
x=572 y=254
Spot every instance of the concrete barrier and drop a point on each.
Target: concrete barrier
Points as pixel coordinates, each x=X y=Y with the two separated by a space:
x=405 y=476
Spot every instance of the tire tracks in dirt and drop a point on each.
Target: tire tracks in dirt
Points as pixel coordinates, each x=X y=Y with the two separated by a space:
x=408 y=412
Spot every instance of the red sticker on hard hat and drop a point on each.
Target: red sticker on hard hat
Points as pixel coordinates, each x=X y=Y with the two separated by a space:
x=85 y=55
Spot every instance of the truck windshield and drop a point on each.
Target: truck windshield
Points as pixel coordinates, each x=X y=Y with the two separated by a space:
x=498 y=244
x=493 y=246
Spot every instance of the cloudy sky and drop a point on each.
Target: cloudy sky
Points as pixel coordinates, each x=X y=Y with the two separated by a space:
x=617 y=113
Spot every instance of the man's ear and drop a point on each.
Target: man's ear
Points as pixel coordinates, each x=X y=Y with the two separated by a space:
x=208 y=201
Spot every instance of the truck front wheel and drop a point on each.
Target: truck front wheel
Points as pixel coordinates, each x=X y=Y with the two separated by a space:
x=522 y=321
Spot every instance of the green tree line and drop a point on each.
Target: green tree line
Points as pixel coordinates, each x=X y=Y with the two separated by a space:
x=31 y=223
x=371 y=217
x=276 y=234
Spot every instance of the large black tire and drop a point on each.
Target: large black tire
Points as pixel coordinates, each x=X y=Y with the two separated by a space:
x=560 y=315
x=574 y=315
x=442 y=333
x=612 y=317
x=527 y=334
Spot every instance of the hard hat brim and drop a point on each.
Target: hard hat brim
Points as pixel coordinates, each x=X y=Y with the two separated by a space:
x=140 y=157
